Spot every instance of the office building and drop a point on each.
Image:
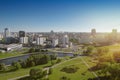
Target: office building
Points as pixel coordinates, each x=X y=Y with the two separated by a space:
x=6 y=33
x=21 y=33
x=54 y=42
x=65 y=41
x=24 y=40
x=40 y=41
x=93 y=32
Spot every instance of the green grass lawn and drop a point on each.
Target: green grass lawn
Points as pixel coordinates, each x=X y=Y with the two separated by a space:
x=83 y=69
x=21 y=72
x=114 y=47
x=13 y=53
x=7 y=55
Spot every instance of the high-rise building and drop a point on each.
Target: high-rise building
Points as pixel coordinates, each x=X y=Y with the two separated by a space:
x=54 y=42
x=114 y=35
x=6 y=33
x=21 y=33
x=1 y=36
x=52 y=34
x=93 y=32
x=24 y=40
x=40 y=40
x=65 y=41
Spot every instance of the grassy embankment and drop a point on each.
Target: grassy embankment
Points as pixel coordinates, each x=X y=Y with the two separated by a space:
x=82 y=74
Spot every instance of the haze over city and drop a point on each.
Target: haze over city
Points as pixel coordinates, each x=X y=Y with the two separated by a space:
x=60 y=15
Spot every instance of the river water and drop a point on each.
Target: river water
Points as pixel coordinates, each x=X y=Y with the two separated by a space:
x=8 y=61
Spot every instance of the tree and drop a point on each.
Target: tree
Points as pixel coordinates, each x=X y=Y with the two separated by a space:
x=45 y=73
x=75 y=41
x=24 y=64
x=116 y=56
x=70 y=69
x=58 y=60
x=102 y=51
x=16 y=65
x=88 y=50
x=37 y=50
x=32 y=63
x=114 y=70
x=53 y=57
x=31 y=50
x=3 y=67
x=36 y=73
x=50 y=70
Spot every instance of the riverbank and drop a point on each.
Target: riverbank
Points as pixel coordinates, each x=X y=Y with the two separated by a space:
x=8 y=61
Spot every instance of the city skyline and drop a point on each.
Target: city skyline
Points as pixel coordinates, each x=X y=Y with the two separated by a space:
x=60 y=15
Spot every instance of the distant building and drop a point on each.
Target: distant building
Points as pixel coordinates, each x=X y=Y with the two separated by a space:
x=54 y=42
x=21 y=33
x=6 y=33
x=93 y=32
x=65 y=41
x=114 y=35
x=1 y=36
x=40 y=41
x=24 y=40
x=10 y=47
x=52 y=34
x=71 y=44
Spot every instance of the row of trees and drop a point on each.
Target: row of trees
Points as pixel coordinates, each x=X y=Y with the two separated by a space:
x=33 y=60
x=39 y=74
x=37 y=59
x=3 y=67
x=107 y=63
x=36 y=74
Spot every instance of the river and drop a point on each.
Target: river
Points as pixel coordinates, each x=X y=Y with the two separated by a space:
x=8 y=61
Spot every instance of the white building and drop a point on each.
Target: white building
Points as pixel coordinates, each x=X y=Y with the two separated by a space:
x=10 y=47
x=54 y=42
x=65 y=41
x=40 y=41
x=24 y=40
x=1 y=36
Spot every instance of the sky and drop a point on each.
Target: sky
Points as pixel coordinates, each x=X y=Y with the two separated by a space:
x=60 y=15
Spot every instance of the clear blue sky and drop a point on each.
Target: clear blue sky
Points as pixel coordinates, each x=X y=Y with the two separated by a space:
x=60 y=15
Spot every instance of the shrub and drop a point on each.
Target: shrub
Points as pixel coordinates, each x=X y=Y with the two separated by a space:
x=3 y=67
x=116 y=56
x=45 y=73
x=36 y=73
x=32 y=63
x=50 y=70
x=64 y=78
x=88 y=50
x=58 y=61
x=16 y=65
x=31 y=50
x=70 y=69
